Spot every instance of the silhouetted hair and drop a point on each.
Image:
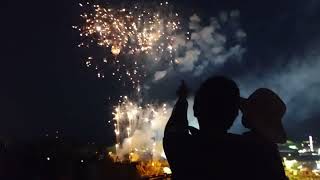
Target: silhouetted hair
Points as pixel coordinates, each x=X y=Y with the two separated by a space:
x=216 y=103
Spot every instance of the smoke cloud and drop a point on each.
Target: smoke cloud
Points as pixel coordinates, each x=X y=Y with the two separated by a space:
x=159 y=75
x=207 y=45
x=211 y=45
x=296 y=83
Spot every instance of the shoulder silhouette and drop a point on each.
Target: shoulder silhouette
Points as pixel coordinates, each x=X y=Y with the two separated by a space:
x=262 y=115
x=207 y=153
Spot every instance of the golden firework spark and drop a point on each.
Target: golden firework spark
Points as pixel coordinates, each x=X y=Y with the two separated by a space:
x=132 y=33
x=136 y=31
x=130 y=117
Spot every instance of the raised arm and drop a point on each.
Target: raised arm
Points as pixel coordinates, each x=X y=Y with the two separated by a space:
x=178 y=122
x=176 y=135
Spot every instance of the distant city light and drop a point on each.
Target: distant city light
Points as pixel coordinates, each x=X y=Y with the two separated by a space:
x=293 y=147
x=311 y=143
x=289 y=163
x=48 y=158
x=302 y=151
x=82 y=160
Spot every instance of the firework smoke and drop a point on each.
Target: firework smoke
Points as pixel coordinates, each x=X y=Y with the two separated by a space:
x=139 y=129
x=295 y=83
x=207 y=48
x=210 y=46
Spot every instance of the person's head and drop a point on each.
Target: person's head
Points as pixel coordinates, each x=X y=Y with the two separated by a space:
x=216 y=104
x=263 y=112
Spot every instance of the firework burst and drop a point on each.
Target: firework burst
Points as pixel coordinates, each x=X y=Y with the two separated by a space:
x=131 y=122
x=130 y=34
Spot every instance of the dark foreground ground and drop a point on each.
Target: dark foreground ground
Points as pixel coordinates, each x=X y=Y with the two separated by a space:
x=52 y=160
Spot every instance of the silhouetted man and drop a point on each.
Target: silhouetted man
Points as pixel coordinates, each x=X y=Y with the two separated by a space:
x=211 y=152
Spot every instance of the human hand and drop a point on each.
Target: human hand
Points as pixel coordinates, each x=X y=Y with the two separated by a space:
x=183 y=90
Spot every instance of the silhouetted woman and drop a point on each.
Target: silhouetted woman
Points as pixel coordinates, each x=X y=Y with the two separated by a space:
x=262 y=114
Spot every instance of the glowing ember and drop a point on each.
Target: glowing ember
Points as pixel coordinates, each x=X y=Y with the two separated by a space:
x=153 y=168
x=115 y=50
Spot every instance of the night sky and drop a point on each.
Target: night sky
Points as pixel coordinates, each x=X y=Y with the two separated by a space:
x=45 y=85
